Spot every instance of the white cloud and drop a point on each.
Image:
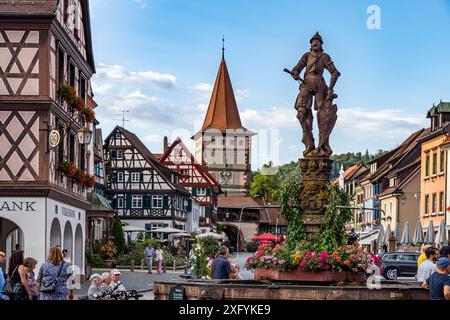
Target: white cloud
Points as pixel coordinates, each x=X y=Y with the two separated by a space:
x=206 y=87
x=152 y=138
x=107 y=75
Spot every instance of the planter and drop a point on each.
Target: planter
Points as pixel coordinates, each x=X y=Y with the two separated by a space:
x=299 y=275
x=110 y=262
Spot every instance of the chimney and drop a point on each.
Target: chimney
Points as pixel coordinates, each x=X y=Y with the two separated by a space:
x=165 y=145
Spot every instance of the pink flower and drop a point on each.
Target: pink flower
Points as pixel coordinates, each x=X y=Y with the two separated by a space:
x=352 y=256
x=324 y=255
x=309 y=255
x=303 y=263
x=347 y=263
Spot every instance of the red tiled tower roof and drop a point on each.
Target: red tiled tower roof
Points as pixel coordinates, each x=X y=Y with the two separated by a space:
x=222 y=111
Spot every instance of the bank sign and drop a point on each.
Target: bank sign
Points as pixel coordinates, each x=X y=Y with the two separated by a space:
x=14 y=206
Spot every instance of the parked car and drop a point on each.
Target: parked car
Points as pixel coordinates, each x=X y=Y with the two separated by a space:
x=402 y=264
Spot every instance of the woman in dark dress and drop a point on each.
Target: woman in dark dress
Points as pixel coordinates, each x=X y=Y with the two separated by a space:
x=15 y=273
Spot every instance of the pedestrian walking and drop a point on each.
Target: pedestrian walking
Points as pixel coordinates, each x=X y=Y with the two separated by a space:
x=31 y=285
x=427 y=267
x=148 y=256
x=159 y=258
x=422 y=256
x=221 y=267
x=439 y=282
x=17 y=277
x=66 y=256
x=53 y=276
x=3 y=296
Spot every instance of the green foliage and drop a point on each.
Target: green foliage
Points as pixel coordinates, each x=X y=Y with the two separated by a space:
x=199 y=261
x=349 y=159
x=267 y=181
x=210 y=245
x=290 y=202
x=94 y=260
x=117 y=235
x=332 y=233
x=219 y=228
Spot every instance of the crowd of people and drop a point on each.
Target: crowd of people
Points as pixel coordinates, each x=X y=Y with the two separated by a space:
x=22 y=282
x=434 y=271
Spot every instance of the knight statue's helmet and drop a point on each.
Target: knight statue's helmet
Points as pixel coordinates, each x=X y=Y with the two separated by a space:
x=316 y=36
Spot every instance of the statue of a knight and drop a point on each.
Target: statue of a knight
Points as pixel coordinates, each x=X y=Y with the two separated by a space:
x=313 y=85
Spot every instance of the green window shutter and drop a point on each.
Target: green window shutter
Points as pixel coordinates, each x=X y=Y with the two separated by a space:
x=142 y=177
x=165 y=201
x=194 y=191
x=189 y=206
x=128 y=205
x=207 y=211
x=113 y=154
x=114 y=177
x=145 y=201
x=114 y=203
x=208 y=191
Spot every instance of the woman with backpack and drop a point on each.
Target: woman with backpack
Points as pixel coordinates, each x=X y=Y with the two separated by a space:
x=16 y=287
x=53 y=276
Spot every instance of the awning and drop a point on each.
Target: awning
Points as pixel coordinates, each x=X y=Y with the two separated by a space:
x=369 y=239
x=99 y=203
x=132 y=229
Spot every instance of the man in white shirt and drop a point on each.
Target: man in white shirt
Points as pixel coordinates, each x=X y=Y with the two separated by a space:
x=427 y=267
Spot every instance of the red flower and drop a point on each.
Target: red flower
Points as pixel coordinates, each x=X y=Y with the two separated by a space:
x=347 y=263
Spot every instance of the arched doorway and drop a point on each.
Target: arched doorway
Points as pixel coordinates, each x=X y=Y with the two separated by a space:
x=68 y=239
x=11 y=235
x=78 y=248
x=55 y=234
x=232 y=233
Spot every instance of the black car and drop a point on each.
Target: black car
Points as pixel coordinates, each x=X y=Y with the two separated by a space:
x=400 y=263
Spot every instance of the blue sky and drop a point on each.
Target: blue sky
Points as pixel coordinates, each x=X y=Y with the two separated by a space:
x=159 y=59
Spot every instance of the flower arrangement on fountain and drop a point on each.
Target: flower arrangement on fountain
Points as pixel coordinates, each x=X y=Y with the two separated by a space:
x=323 y=256
x=345 y=258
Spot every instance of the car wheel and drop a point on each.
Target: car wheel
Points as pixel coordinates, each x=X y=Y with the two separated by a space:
x=390 y=273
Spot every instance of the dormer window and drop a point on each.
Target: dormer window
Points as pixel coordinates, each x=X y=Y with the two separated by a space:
x=392 y=182
x=373 y=167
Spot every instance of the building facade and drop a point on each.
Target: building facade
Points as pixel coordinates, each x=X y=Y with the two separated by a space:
x=142 y=191
x=194 y=178
x=44 y=46
x=433 y=172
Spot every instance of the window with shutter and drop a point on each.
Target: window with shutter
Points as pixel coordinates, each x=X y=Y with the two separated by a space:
x=194 y=191
x=114 y=203
x=165 y=201
x=113 y=154
x=128 y=201
x=189 y=206
x=208 y=191
x=114 y=177
x=207 y=211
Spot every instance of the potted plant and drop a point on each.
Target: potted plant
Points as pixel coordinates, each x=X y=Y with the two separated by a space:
x=109 y=250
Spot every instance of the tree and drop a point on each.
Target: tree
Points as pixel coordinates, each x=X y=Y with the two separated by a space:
x=117 y=234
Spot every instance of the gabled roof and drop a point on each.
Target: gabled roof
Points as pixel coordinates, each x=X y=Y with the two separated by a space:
x=28 y=7
x=391 y=158
x=143 y=150
x=201 y=169
x=442 y=107
x=401 y=185
x=222 y=111
x=349 y=172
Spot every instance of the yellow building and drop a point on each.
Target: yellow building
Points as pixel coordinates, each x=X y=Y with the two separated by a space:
x=433 y=168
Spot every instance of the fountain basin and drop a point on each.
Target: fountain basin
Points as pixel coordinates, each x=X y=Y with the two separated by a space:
x=289 y=290
x=299 y=275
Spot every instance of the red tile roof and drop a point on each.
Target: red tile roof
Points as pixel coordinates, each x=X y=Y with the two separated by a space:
x=222 y=111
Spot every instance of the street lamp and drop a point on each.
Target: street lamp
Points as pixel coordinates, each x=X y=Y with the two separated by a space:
x=84 y=136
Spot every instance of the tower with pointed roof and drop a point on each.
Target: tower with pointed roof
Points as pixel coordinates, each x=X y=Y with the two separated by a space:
x=223 y=145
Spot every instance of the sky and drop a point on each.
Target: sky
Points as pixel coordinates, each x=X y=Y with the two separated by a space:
x=158 y=59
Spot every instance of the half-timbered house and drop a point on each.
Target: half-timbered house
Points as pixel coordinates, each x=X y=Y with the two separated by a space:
x=194 y=177
x=142 y=191
x=43 y=45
